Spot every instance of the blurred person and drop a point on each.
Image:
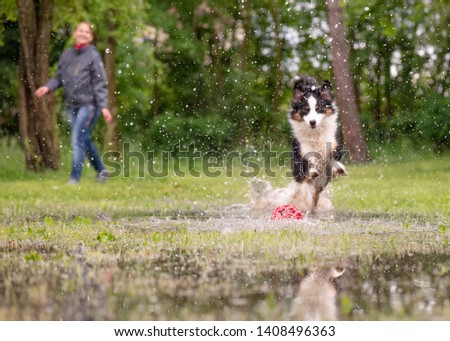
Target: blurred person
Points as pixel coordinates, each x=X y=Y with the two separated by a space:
x=82 y=76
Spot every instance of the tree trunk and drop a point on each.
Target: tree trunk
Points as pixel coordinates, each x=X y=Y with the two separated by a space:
x=340 y=50
x=112 y=133
x=37 y=118
x=276 y=70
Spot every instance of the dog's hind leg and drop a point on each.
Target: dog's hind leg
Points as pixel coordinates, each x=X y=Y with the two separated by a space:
x=318 y=185
x=324 y=208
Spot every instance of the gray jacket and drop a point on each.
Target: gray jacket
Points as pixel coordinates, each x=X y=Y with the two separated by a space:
x=82 y=75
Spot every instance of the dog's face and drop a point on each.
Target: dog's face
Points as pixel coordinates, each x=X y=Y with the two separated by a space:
x=311 y=103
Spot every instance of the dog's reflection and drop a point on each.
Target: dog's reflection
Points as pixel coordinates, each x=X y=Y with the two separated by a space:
x=317 y=299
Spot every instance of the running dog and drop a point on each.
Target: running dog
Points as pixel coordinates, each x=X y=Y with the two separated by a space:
x=316 y=140
x=316 y=151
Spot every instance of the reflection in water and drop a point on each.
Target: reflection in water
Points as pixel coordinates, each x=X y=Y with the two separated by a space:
x=178 y=284
x=316 y=299
x=410 y=286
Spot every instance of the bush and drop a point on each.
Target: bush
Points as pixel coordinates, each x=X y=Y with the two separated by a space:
x=428 y=124
x=211 y=132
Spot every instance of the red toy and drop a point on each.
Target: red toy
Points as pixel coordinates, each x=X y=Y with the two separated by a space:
x=287 y=212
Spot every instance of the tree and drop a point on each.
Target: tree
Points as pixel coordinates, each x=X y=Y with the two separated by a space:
x=340 y=51
x=276 y=69
x=112 y=134
x=37 y=119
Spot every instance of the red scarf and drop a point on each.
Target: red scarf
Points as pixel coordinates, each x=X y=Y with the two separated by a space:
x=79 y=47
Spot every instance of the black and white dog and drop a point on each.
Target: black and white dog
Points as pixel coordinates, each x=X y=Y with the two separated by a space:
x=316 y=152
x=316 y=142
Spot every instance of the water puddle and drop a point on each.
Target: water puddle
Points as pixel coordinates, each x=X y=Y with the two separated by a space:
x=410 y=286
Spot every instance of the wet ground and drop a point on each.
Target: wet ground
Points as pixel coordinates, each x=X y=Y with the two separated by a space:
x=225 y=265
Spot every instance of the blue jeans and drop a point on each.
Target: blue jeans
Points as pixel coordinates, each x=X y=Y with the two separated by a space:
x=81 y=122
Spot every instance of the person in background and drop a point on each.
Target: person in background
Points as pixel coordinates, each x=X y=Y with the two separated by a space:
x=82 y=76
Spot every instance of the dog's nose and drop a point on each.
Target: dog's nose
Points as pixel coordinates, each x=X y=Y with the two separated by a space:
x=313 y=123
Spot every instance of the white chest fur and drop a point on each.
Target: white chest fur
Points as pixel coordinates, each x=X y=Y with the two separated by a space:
x=320 y=140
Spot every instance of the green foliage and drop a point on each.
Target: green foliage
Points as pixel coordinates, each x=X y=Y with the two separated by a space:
x=8 y=13
x=442 y=228
x=48 y=221
x=206 y=133
x=428 y=124
x=9 y=56
x=32 y=257
x=105 y=236
x=83 y=220
x=398 y=63
x=346 y=305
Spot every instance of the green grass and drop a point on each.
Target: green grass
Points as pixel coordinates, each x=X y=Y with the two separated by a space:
x=146 y=248
x=417 y=187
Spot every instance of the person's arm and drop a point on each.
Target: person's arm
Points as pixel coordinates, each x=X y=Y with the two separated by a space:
x=107 y=115
x=99 y=82
x=41 y=91
x=53 y=84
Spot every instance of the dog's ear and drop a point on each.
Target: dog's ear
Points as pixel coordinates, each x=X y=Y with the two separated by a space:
x=298 y=94
x=299 y=88
x=325 y=91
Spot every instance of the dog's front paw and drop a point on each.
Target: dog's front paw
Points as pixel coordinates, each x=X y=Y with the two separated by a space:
x=340 y=169
x=337 y=169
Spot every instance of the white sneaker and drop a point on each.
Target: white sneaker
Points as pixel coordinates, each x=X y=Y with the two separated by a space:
x=101 y=177
x=72 y=181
